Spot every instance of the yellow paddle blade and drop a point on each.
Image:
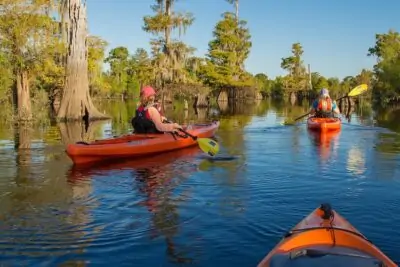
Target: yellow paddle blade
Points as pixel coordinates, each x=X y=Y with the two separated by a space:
x=358 y=90
x=208 y=146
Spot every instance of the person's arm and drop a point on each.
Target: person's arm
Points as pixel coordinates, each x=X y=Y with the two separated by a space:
x=313 y=107
x=335 y=108
x=157 y=119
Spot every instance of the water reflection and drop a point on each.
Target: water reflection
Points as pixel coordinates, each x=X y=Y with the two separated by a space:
x=389 y=118
x=22 y=146
x=325 y=142
x=386 y=156
x=72 y=132
x=286 y=111
x=178 y=205
x=156 y=178
x=388 y=143
x=224 y=162
x=42 y=218
x=356 y=161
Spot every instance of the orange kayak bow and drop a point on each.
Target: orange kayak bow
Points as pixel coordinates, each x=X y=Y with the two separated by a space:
x=324 y=124
x=325 y=239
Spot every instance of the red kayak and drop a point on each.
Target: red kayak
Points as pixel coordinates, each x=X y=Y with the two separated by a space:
x=136 y=145
x=325 y=239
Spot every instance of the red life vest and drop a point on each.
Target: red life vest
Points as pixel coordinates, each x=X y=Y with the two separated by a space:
x=325 y=104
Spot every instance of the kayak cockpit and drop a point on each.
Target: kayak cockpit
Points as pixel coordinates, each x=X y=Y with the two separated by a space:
x=325 y=256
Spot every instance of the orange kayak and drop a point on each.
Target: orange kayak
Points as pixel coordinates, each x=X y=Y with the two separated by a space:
x=136 y=145
x=324 y=124
x=325 y=239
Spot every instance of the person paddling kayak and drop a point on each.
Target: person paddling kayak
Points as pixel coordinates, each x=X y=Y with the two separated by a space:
x=148 y=119
x=324 y=106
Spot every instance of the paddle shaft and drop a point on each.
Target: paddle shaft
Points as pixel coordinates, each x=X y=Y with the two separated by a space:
x=183 y=131
x=207 y=145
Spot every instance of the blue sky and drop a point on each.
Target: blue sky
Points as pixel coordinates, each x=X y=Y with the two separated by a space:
x=335 y=34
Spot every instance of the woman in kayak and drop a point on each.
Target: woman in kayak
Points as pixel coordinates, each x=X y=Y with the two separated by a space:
x=148 y=119
x=323 y=106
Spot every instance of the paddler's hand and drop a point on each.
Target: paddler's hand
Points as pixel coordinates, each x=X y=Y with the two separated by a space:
x=177 y=127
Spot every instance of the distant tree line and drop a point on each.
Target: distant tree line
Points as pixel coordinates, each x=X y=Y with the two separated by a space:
x=48 y=59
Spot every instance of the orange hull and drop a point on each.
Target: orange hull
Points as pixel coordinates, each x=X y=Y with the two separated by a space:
x=324 y=124
x=334 y=238
x=136 y=145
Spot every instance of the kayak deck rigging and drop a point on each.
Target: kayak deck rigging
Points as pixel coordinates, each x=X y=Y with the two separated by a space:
x=325 y=239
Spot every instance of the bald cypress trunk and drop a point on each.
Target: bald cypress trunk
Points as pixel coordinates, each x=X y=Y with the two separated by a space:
x=23 y=96
x=76 y=103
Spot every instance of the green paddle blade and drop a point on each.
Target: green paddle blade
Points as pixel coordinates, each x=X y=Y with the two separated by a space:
x=358 y=90
x=208 y=146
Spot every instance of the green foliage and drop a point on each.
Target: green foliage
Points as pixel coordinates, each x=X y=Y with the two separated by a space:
x=297 y=79
x=387 y=69
x=31 y=42
x=30 y=46
x=127 y=72
x=318 y=82
x=277 y=88
x=142 y=68
x=96 y=53
x=166 y=20
x=169 y=56
x=6 y=77
x=119 y=63
x=263 y=84
x=27 y=33
x=227 y=53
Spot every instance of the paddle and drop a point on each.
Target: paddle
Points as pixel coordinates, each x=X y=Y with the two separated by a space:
x=207 y=145
x=356 y=91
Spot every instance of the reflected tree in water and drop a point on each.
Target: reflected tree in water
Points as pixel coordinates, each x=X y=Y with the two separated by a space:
x=389 y=118
x=22 y=145
x=122 y=113
x=156 y=183
x=42 y=216
x=72 y=132
x=156 y=178
x=286 y=111
x=385 y=156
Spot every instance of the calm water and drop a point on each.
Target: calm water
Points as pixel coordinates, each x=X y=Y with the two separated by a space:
x=185 y=208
